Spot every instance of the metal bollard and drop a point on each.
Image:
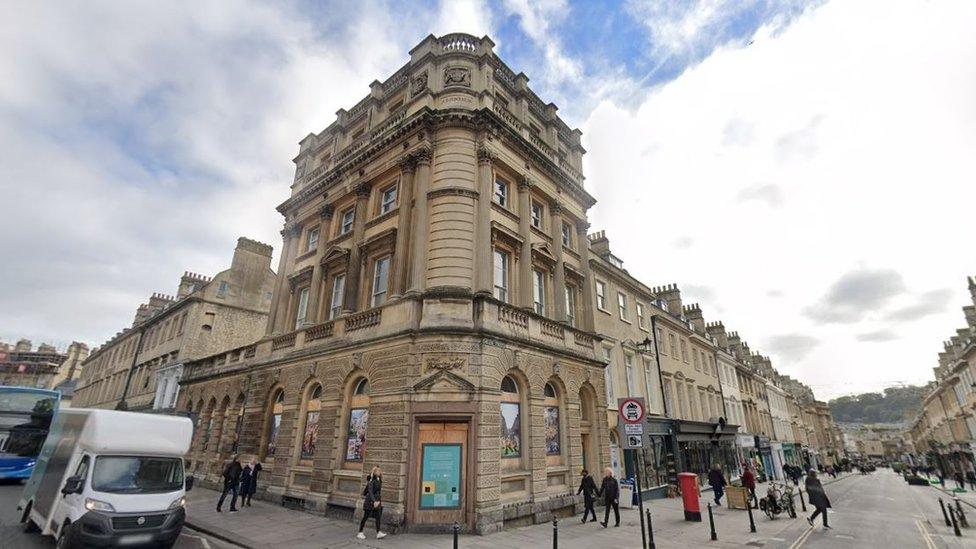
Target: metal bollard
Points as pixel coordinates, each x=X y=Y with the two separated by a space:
x=963 y=521
x=711 y=523
x=555 y=533
x=457 y=528
x=752 y=522
x=955 y=525
x=945 y=515
x=650 y=532
x=803 y=504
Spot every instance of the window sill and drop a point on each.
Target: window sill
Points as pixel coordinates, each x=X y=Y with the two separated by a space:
x=622 y=319
x=604 y=311
x=306 y=255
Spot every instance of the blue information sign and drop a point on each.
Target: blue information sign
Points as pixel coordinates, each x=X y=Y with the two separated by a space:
x=440 y=476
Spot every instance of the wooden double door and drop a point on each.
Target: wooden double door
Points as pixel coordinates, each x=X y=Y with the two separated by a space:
x=440 y=471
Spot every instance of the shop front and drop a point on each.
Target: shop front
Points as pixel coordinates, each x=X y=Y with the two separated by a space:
x=765 y=458
x=790 y=454
x=701 y=445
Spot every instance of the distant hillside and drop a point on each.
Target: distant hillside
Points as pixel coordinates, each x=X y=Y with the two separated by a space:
x=896 y=404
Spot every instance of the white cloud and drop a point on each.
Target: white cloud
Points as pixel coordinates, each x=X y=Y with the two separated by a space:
x=860 y=114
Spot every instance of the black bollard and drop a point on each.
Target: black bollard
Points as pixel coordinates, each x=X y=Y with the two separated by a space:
x=752 y=523
x=555 y=533
x=955 y=525
x=457 y=527
x=962 y=516
x=650 y=532
x=803 y=504
x=945 y=515
x=711 y=523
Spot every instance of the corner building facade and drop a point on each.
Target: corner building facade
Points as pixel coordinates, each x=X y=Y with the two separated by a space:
x=432 y=311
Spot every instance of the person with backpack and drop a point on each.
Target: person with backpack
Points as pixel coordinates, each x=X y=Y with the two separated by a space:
x=588 y=489
x=372 y=505
x=232 y=478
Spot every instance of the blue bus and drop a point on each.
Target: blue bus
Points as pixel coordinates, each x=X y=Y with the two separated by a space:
x=25 y=417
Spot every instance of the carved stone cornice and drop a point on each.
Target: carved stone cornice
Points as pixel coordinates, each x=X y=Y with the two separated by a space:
x=556 y=206
x=485 y=156
x=407 y=163
x=423 y=155
x=327 y=211
x=582 y=226
x=524 y=183
x=363 y=190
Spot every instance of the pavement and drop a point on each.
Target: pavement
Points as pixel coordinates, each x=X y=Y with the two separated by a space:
x=12 y=535
x=876 y=510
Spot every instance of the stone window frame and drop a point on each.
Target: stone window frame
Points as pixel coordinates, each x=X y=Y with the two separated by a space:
x=572 y=303
x=557 y=399
x=623 y=306
x=505 y=289
x=275 y=406
x=601 y=296
x=356 y=397
x=380 y=200
x=520 y=463
x=311 y=402
x=312 y=236
x=536 y=206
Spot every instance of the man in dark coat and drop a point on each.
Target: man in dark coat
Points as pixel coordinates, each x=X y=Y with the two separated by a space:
x=817 y=497
x=717 y=481
x=749 y=482
x=588 y=489
x=232 y=478
x=249 y=481
x=610 y=492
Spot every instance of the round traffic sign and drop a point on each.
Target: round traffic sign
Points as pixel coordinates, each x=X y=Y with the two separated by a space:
x=631 y=411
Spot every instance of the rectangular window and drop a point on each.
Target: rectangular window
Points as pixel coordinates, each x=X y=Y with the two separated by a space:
x=601 y=295
x=312 y=241
x=552 y=430
x=539 y=291
x=640 y=315
x=501 y=276
x=668 y=398
x=537 y=212
x=629 y=369
x=356 y=434
x=501 y=193
x=608 y=377
x=673 y=343
x=622 y=305
x=567 y=235
x=648 y=383
x=381 y=275
x=684 y=351
x=571 y=305
x=348 y=217
x=302 y=307
x=179 y=330
x=222 y=289
x=338 y=289
x=389 y=199
x=694 y=356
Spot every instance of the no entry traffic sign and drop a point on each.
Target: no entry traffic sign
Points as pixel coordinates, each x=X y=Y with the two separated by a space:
x=631 y=410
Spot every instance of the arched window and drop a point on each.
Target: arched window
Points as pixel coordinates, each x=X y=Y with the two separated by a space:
x=274 y=421
x=358 y=421
x=211 y=410
x=311 y=431
x=511 y=412
x=553 y=429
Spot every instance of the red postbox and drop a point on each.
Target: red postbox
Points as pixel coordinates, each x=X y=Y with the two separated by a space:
x=689 y=495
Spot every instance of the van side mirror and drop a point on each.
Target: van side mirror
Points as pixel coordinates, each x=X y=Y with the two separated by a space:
x=73 y=485
x=189 y=483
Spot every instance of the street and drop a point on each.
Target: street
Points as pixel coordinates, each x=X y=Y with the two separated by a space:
x=12 y=535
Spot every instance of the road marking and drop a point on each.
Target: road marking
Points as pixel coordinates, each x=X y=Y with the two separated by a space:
x=803 y=538
x=203 y=541
x=925 y=535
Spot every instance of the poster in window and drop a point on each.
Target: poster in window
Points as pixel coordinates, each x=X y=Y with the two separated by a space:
x=356 y=439
x=440 y=476
x=552 y=431
x=273 y=434
x=311 y=435
x=511 y=432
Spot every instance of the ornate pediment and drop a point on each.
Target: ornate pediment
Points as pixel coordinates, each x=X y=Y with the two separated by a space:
x=444 y=380
x=543 y=251
x=335 y=254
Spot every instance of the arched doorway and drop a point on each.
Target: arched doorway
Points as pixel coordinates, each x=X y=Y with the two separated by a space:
x=589 y=430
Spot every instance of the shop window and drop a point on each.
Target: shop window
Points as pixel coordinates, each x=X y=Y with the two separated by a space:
x=274 y=422
x=553 y=429
x=357 y=423
x=511 y=416
x=313 y=409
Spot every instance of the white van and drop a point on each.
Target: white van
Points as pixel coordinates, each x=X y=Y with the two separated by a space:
x=109 y=478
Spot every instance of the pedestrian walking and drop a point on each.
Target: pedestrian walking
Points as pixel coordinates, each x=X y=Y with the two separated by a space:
x=610 y=492
x=372 y=504
x=717 y=481
x=749 y=482
x=587 y=487
x=817 y=498
x=959 y=482
x=250 y=486
x=971 y=479
x=232 y=479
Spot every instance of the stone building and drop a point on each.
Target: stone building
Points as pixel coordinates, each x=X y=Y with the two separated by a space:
x=140 y=367
x=431 y=312
x=24 y=366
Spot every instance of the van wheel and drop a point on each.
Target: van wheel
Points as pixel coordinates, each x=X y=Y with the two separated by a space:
x=29 y=526
x=64 y=540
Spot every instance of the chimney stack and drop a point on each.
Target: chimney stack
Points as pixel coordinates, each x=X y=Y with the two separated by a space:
x=970 y=312
x=693 y=313
x=671 y=296
x=599 y=244
x=189 y=283
x=717 y=331
x=23 y=346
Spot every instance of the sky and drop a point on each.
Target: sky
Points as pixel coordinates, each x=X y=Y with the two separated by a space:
x=803 y=170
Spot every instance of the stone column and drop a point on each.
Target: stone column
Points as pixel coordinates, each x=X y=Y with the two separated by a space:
x=525 y=254
x=288 y=256
x=350 y=301
x=313 y=315
x=483 y=254
x=586 y=318
x=420 y=223
x=559 y=277
x=279 y=281
x=401 y=254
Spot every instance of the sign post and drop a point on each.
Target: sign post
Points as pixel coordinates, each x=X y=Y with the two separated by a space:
x=630 y=427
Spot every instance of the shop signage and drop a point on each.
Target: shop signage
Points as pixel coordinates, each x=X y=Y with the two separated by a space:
x=440 y=484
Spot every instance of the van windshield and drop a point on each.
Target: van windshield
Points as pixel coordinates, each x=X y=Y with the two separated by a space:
x=135 y=475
